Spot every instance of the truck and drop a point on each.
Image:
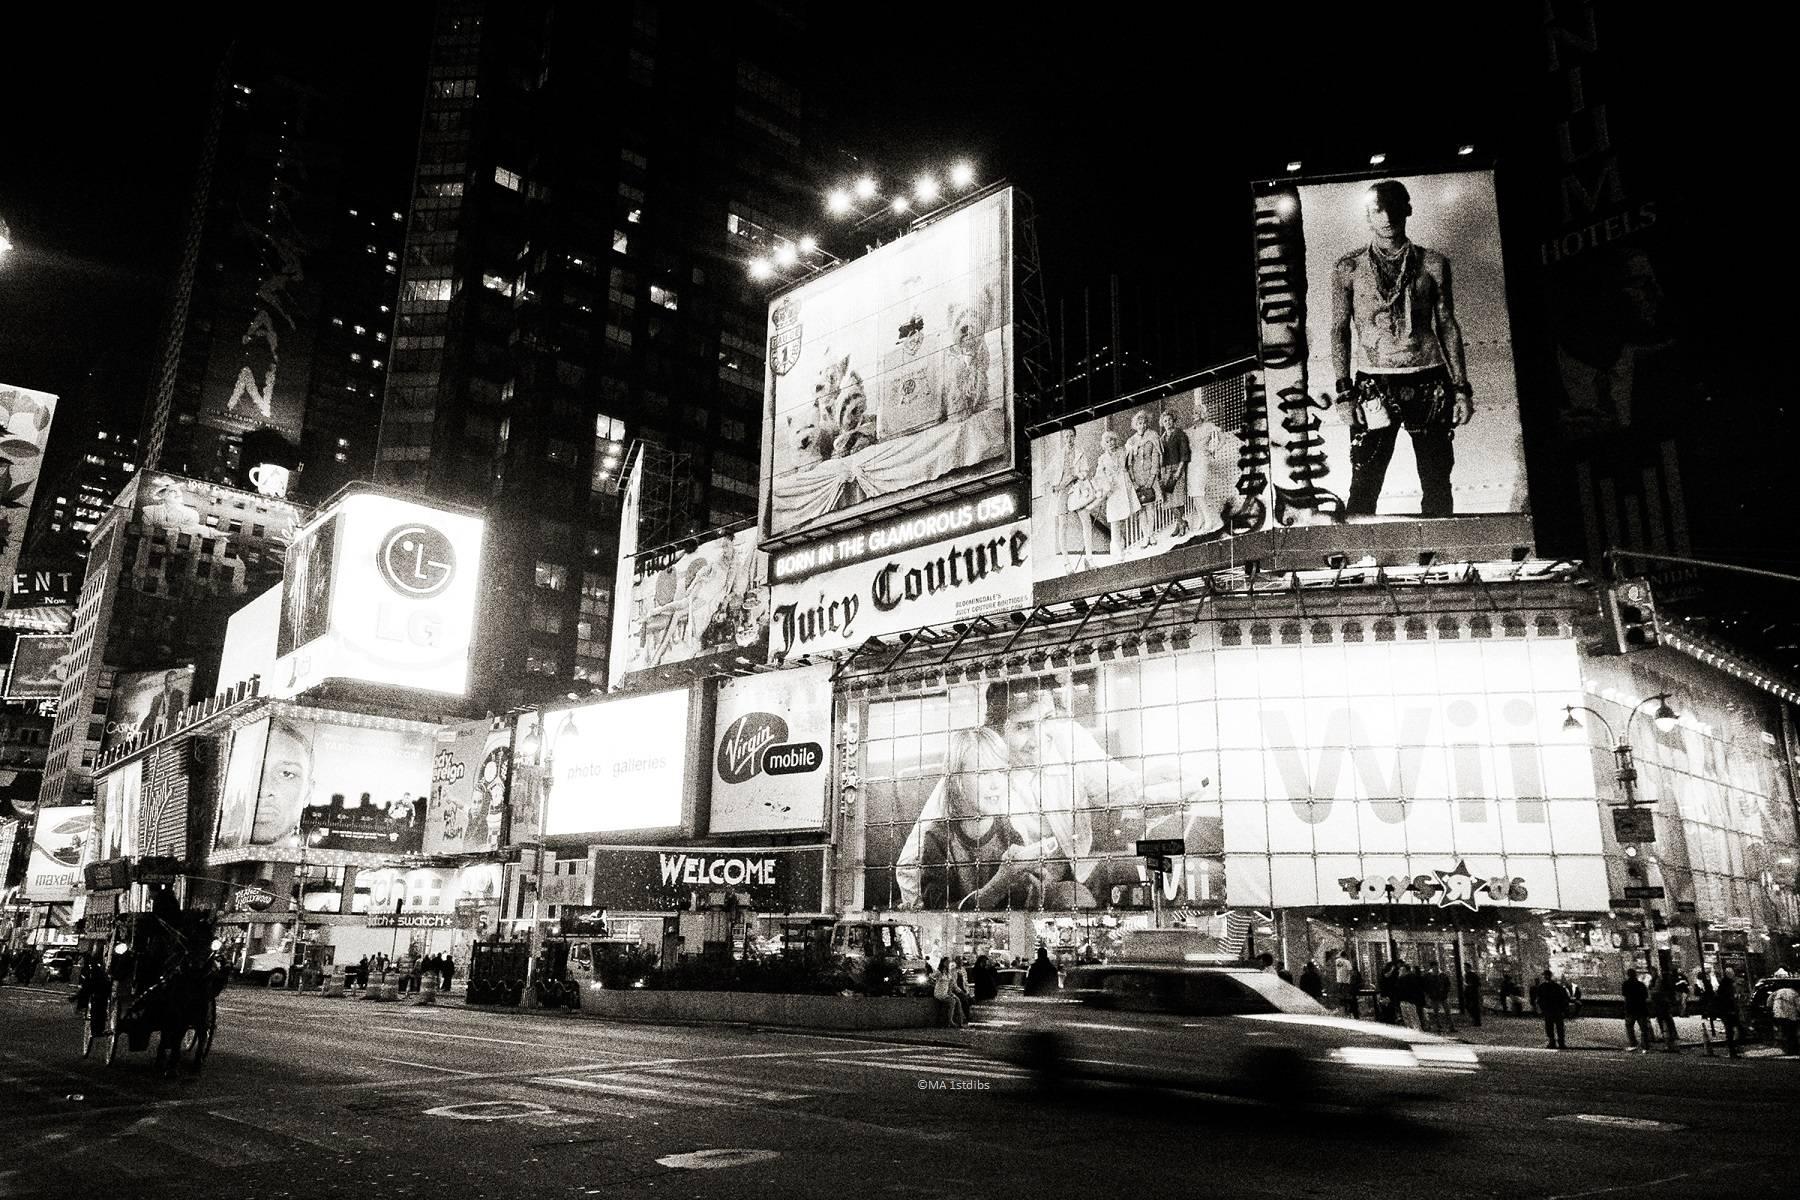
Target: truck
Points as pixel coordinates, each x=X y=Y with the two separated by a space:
x=289 y=959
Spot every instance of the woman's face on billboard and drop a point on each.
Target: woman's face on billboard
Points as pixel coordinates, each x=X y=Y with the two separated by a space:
x=286 y=782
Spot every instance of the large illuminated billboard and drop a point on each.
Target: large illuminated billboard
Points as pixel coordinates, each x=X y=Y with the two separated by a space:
x=340 y=786
x=1386 y=386
x=25 y=418
x=39 y=667
x=381 y=589
x=120 y=796
x=469 y=769
x=771 y=752
x=892 y=377
x=699 y=598
x=59 y=848
x=616 y=766
x=146 y=702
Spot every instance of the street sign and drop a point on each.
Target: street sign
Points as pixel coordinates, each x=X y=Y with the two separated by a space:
x=1157 y=847
x=1642 y=892
x=1159 y=863
x=1634 y=826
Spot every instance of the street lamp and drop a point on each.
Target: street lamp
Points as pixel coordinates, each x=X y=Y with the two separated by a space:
x=5 y=238
x=1625 y=772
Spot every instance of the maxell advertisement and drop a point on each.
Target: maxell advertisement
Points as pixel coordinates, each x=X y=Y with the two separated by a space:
x=891 y=377
x=59 y=844
x=1386 y=386
x=695 y=599
x=1140 y=482
x=403 y=582
x=146 y=702
x=670 y=878
x=771 y=762
x=938 y=583
x=469 y=768
x=340 y=787
x=37 y=667
x=25 y=418
x=617 y=765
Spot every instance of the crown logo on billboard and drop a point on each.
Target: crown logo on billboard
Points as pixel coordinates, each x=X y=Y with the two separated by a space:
x=784 y=343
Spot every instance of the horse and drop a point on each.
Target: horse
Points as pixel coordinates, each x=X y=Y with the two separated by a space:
x=185 y=1002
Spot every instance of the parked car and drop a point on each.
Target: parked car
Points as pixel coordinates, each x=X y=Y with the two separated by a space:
x=880 y=958
x=1762 y=1004
x=59 y=963
x=1227 y=1030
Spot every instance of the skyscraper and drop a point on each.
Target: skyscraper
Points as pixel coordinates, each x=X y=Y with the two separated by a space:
x=590 y=182
x=274 y=342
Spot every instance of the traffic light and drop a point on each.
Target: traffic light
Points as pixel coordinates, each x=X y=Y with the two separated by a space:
x=1631 y=612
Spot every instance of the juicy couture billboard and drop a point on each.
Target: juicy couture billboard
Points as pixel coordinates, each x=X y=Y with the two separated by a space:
x=891 y=378
x=961 y=578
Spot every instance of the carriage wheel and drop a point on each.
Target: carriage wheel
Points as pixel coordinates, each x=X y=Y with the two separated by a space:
x=87 y=1034
x=112 y=1045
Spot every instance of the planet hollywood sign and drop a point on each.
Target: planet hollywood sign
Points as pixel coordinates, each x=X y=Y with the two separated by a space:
x=1444 y=889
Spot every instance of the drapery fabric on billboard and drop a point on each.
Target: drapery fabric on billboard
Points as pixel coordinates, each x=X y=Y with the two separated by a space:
x=59 y=845
x=525 y=808
x=403 y=581
x=166 y=785
x=341 y=787
x=146 y=702
x=938 y=583
x=468 y=789
x=1139 y=482
x=306 y=587
x=1386 y=385
x=119 y=802
x=668 y=878
x=892 y=376
x=771 y=762
x=243 y=780
x=699 y=598
x=25 y=418
x=617 y=765
x=619 y=636
x=1296 y=775
x=38 y=669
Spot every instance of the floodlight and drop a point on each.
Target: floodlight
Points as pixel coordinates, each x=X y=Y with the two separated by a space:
x=837 y=202
x=926 y=189
x=865 y=188
x=900 y=204
x=760 y=268
x=1294 y=166
x=962 y=175
x=1375 y=160
x=784 y=255
x=808 y=244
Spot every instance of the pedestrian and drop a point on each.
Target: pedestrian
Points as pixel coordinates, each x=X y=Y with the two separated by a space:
x=1387 y=993
x=448 y=963
x=1662 y=1007
x=1412 y=995
x=1681 y=992
x=1437 y=991
x=1725 y=1005
x=1041 y=979
x=1266 y=962
x=362 y=973
x=1341 y=971
x=1553 y=1002
x=985 y=979
x=1784 y=1006
x=1509 y=993
x=943 y=988
x=5 y=962
x=1637 y=1012
x=1356 y=989
x=1310 y=981
x=1471 y=996
x=1532 y=995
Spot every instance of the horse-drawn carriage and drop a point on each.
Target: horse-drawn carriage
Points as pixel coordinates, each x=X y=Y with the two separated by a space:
x=160 y=976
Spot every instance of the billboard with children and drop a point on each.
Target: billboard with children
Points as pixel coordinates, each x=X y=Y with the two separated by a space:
x=891 y=377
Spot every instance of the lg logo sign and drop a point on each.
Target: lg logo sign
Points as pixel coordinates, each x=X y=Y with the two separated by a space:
x=417 y=561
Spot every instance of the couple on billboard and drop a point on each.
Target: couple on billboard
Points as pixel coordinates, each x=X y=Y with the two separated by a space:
x=1011 y=824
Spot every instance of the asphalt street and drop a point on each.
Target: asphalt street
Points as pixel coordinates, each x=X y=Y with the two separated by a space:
x=312 y=1097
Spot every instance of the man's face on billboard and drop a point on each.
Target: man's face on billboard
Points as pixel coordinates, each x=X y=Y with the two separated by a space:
x=287 y=778
x=1387 y=216
x=1024 y=715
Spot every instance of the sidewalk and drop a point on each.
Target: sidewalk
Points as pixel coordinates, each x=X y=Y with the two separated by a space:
x=1526 y=1031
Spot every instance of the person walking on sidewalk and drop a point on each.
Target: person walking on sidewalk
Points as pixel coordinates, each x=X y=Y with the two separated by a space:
x=1637 y=1012
x=1342 y=970
x=1553 y=1003
x=1724 y=1006
x=1784 y=1006
x=1662 y=1007
x=1471 y=996
x=1437 y=991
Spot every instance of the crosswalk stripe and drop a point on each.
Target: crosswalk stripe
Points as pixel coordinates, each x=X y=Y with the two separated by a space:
x=935 y=1069
x=703 y=1080
x=640 y=1093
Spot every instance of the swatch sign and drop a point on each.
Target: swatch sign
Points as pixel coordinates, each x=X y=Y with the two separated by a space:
x=769 y=765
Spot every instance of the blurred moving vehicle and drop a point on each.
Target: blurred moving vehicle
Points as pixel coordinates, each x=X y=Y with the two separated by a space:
x=1762 y=1004
x=1225 y=1030
x=59 y=963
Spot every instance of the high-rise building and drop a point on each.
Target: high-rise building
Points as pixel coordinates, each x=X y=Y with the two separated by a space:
x=274 y=343
x=169 y=563
x=590 y=182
